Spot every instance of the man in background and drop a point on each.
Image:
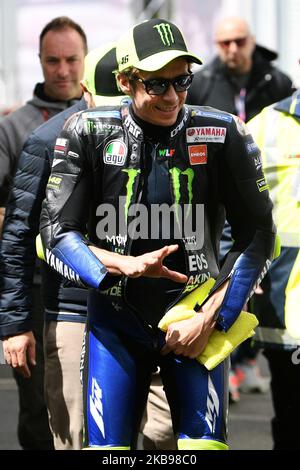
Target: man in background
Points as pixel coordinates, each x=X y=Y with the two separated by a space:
x=241 y=79
x=63 y=46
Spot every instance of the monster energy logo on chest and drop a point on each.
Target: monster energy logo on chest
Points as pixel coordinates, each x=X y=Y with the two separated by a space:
x=155 y=221
x=132 y=174
x=165 y=33
x=176 y=173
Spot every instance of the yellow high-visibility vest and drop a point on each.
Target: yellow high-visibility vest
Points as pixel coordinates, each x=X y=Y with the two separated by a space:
x=277 y=134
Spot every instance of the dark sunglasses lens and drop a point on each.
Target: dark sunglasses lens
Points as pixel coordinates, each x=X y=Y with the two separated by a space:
x=156 y=87
x=240 y=42
x=183 y=83
x=159 y=87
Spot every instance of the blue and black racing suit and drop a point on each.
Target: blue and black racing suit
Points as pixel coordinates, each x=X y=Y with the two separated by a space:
x=106 y=159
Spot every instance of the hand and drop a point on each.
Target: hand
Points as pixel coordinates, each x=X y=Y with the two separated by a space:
x=189 y=337
x=148 y=264
x=258 y=290
x=151 y=265
x=16 y=351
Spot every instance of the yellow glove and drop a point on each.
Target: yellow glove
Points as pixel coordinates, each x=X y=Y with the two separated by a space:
x=220 y=344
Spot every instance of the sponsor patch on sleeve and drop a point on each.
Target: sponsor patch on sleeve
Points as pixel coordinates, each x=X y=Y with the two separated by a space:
x=262 y=185
x=61 y=146
x=253 y=151
x=251 y=145
x=54 y=182
x=198 y=154
x=257 y=161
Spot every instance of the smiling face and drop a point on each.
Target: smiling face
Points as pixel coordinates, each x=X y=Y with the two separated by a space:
x=161 y=110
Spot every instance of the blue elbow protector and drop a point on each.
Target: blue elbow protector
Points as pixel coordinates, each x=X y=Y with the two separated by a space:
x=72 y=258
x=242 y=279
x=248 y=270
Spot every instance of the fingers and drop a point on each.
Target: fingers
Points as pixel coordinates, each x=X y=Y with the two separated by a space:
x=173 y=275
x=172 y=343
x=22 y=366
x=17 y=360
x=24 y=371
x=150 y=265
x=15 y=355
x=162 y=252
x=188 y=337
x=165 y=350
x=176 y=349
x=258 y=290
x=166 y=251
x=158 y=255
x=6 y=353
x=31 y=355
x=14 y=358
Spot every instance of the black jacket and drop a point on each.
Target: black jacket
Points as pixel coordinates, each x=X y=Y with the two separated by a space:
x=214 y=86
x=20 y=229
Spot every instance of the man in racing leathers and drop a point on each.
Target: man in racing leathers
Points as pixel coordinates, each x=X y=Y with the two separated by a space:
x=117 y=162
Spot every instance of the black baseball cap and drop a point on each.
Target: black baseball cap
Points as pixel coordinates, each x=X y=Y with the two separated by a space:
x=151 y=45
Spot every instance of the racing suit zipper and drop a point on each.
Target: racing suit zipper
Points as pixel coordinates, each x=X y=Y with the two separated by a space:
x=181 y=245
x=148 y=327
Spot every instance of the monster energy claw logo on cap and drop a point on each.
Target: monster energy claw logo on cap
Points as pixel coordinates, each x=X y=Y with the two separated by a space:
x=151 y=45
x=165 y=32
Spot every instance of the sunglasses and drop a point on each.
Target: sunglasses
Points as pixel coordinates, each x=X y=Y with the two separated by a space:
x=159 y=86
x=240 y=42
